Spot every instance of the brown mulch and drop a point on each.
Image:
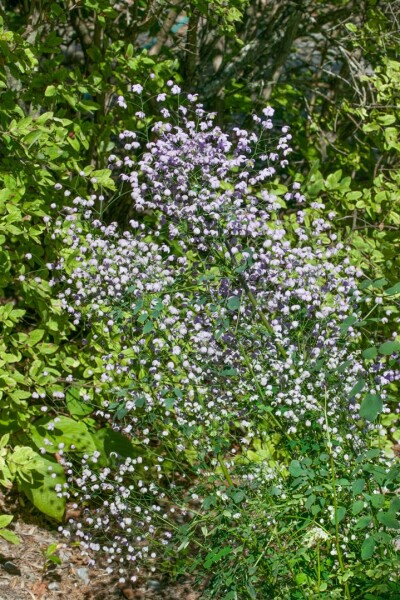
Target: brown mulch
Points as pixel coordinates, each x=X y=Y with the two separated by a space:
x=23 y=573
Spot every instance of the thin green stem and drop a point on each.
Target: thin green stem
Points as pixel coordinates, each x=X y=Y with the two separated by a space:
x=335 y=501
x=225 y=471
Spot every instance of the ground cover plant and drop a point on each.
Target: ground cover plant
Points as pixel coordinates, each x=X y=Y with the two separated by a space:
x=224 y=352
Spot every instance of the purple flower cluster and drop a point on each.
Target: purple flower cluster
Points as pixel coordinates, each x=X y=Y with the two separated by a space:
x=197 y=174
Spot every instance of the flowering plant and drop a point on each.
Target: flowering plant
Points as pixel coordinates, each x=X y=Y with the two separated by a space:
x=224 y=323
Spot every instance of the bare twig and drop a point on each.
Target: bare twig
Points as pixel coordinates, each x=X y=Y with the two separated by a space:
x=191 y=47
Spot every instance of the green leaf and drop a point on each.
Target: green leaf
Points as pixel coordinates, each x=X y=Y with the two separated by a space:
x=357 y=388
x=169 y=403
x=229 y=372
x=74 y=142
x=377 y=500
x=88 y=105
x=148 y=327
x=23 y=460
x=368 y=548
x=46 y=348
x=234 y=303
x=295 y=468
x=357 y=507
x=310 y=501
x=51 y=549
x=41 y=489
x=251 y=590
x=395 y=505
x=52 y=152
x=363 y=522
x=10 y=536
x=139 y=304
x=371 y=406
x=386 y=119
x=215 y=555
x=333 y=179
x=50 y=91
x=388 y=520
x=370 y=353
x=76 y=405
x=73 y=434
x=241 y=268
x=348 y=322
x=301 y=578
x=32 y=137
x=341 y=368
x=53 y=558
x=41 y=120
x=209 y=502
x=22 y=124
x=121 y=412
x=389 y=348
x=103 y=178
x=5 y=520
x=35 y=336
x=340 y=514
x=395 y=289
x=379 y=283
x=382 y=537
x=238 y=496
x=373 y=453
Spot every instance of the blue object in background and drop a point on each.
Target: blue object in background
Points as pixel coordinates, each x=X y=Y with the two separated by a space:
x=180 y=22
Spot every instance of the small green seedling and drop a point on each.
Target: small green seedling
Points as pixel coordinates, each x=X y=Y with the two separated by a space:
x=51 y=557
x=8 y=535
